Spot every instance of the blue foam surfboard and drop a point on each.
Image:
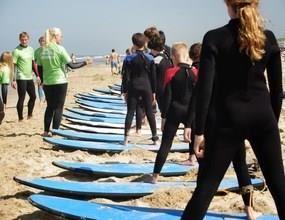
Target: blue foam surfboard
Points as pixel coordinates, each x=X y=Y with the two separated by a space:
x=116 y=88
x=77 y=209
x=93 y=118
x=95 y=114
x=114 y=189
x=114 y=147
x=105 y=96
x=103 y=110
x=87 y=136
x=103 y=91
x=97 y=124
x=107 y=91
x=123 y=169
x=120 y=104
x=93 y=98
x=100 y=105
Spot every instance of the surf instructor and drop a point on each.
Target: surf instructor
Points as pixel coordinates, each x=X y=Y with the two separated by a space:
x=52 y=61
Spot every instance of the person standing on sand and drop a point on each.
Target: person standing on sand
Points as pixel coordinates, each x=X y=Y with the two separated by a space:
x=140 y=86
x=37 y=55
x=23 y=58
x=177 y=105
x=234 y=104
x=6 y=74
x=52 y=62
x=115 y=61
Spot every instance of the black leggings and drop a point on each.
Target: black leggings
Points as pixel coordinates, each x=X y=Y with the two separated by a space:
x=139 y=114
x=169 y=132
x=55 y=97
x=133 y=99
x=24 y=86
x=4 y=91
x=2 y=113
x=265 y=141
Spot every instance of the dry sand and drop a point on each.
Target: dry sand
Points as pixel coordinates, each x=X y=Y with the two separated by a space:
x=23 y=153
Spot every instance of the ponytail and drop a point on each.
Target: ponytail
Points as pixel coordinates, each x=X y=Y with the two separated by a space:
x=251 y=31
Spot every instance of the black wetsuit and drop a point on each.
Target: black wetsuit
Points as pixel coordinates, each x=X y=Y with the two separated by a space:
x=233 y=104
x=140 y=72
x=140 y=113
x=24 y=86
x=162 y=63
x=178 y=107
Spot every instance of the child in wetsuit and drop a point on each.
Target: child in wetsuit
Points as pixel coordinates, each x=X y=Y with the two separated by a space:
x=141 y=84
x=178 y=105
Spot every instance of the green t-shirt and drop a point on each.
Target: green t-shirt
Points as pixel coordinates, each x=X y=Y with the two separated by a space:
x=5 y=73
x=53 y=59
x=37 y=54
x=23 y=57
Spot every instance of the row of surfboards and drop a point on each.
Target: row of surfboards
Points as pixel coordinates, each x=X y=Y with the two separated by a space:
x=97 y=126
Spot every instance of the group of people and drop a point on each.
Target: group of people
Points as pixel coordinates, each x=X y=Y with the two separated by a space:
x=221 y=97
x=48 y=65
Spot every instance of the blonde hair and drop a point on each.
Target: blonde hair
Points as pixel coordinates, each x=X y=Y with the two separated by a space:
x=6 y=58
x=251 y=30
x=50 y=34
x=180 y=52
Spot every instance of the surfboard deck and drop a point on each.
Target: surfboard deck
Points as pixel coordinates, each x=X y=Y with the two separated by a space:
x=102 y=110
x=114 y=189
x=77 y=209
x=101 y=105
x=85 y=126
x=87 y=136
x=123 y=169
x=113 y=145
x=95 y=114
x=96 y=124
x=97 y=99
x=73 y=115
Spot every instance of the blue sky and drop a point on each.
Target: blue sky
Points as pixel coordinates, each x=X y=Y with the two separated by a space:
x=96 y=26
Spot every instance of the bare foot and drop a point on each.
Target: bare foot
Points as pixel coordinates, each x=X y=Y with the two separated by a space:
x=250 y=213
x=139 y=132
x=46 y=134
x=29 y=117
x=126 y=141
x=151 y=178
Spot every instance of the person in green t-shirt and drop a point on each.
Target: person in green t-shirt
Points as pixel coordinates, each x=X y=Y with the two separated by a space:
x=23 y=58
x=6 y=72
x=52 y=62
x=37 y=53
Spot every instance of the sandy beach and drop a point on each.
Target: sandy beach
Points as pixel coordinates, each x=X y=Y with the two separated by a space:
x=23 y=153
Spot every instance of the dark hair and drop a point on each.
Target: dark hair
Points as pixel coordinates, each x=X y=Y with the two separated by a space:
x=113 y=50
x=128 y=51
x=162 y=36
x=156 y=43
x=138 y=40
x=151 y=32
x=195 y=51
x=24 y=34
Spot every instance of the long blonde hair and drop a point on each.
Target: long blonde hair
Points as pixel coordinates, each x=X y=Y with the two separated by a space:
x=6 y=58
x=50 y=35
x=251 y=30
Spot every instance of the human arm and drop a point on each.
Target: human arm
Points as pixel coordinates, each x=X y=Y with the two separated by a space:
x=274 y=75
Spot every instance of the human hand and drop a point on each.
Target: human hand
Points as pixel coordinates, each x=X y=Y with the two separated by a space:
x=187 y=135
x=14 y=84
x=199 y=146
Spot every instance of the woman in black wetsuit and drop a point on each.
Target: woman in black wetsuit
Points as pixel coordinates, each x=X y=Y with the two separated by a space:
x=234 y=104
